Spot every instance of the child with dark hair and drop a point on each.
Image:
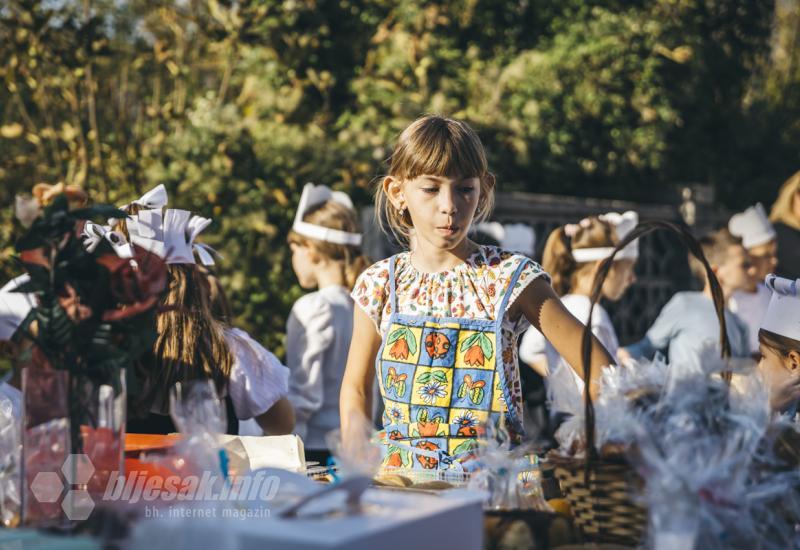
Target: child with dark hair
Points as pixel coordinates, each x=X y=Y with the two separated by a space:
x=779 y=338
x=687 y=325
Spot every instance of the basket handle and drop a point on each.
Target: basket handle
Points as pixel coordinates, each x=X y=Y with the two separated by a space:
x=586 y=344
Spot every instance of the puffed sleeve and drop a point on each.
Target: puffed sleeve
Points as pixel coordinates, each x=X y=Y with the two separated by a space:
x=309 y=334
x=529 y=272
x=372 y=290
x=258 y=379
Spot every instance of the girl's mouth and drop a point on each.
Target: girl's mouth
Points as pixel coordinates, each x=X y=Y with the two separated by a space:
x=447 y=230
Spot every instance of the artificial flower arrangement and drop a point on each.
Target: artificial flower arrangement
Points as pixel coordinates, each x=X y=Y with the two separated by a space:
x=96 y=299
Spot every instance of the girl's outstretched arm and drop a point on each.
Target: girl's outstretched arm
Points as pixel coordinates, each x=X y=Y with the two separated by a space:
x=542 y=307
x=355 y=397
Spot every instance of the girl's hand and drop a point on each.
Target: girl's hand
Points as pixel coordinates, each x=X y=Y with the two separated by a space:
x=543 y=308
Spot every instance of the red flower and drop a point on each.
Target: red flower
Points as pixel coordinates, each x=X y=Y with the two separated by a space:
x=34 y=256
x=136 y=283
x=474 y=356
x=399 y=349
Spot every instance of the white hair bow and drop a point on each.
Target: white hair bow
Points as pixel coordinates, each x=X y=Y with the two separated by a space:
x=93 y=233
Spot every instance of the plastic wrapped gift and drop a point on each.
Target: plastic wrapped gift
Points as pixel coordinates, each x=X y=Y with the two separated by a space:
x=10 y=470
x=248 y=453
x=45 y=443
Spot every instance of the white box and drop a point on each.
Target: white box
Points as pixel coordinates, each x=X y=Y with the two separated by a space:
x=392 y=519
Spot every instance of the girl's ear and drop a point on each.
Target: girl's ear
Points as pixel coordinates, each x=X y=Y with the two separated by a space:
x=393 y=188
x=793 y=362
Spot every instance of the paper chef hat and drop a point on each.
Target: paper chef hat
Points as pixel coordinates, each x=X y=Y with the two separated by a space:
x=752 y=226
x=171 y=234
x=783 y=314
x=515 y=237
x=623 y=224
x=14 y=306
x=314 y=195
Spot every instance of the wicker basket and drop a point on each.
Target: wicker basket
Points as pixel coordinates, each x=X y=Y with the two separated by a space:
x=600 y=492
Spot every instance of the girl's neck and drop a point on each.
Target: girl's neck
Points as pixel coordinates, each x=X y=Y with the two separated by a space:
x=329 y=274
x=429 y=259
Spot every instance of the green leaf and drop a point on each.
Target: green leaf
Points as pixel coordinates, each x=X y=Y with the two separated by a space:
x=462 y=390
x=440 y=376
x=422 y=415
x=395 y=335
x=486 y=346
x=411 y=341
x=466 y=344
x=424 y=378
x=466 y=447
x=476 y=396
x=104 y=211
x=401 y=388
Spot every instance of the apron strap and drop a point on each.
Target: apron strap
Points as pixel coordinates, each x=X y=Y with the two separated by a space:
x=501 y=309
x=392 y=285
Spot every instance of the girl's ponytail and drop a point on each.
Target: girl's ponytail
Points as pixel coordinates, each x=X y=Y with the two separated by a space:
x=557 y=260
x=354 y=266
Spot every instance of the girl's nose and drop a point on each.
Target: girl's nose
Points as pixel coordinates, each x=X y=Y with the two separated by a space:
x=447 y=204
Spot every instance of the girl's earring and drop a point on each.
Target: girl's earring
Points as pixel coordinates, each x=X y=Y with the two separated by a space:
x=402 y=211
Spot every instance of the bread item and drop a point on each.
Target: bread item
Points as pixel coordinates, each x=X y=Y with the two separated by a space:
x=392 y=480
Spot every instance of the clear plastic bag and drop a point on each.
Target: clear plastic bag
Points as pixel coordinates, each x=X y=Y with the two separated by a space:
x=10 y=471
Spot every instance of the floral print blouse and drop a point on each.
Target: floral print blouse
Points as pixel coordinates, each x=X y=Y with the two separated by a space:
x=472 y=289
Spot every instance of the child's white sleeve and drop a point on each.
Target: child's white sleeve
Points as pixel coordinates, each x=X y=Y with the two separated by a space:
x=533 y=346
x=258 y=379
x=309 y=334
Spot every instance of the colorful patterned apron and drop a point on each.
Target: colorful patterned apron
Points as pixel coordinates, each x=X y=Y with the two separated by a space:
x=442 y=382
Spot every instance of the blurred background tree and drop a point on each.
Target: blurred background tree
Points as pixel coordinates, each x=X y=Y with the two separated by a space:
x=234 y=105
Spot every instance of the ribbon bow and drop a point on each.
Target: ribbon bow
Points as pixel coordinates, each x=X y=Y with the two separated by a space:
x=152 y=200
x=94 y=233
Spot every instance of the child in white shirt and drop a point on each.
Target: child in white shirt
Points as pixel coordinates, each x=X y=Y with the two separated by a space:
x=326 y=254
x=759 y=240
x=572 y=255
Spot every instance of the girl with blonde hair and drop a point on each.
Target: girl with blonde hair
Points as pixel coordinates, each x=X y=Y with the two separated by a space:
x=326 y=255
x=785 y=216
x=573 y=255
x=438 y=324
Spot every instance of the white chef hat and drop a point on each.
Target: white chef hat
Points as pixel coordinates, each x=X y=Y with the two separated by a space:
x=623 y=224
x=783 y=313
x=752 y=226
x=515 y=237
x=314 y=195
x=171 y=234
x=14 y=306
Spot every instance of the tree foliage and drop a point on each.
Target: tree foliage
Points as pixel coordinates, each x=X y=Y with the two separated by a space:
x=234 y=105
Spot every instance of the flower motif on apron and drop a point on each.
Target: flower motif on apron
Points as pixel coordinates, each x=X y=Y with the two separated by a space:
x=442 y=382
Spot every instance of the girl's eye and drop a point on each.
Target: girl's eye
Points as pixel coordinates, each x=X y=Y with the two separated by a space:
x=467 y=190
x=430 y=190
